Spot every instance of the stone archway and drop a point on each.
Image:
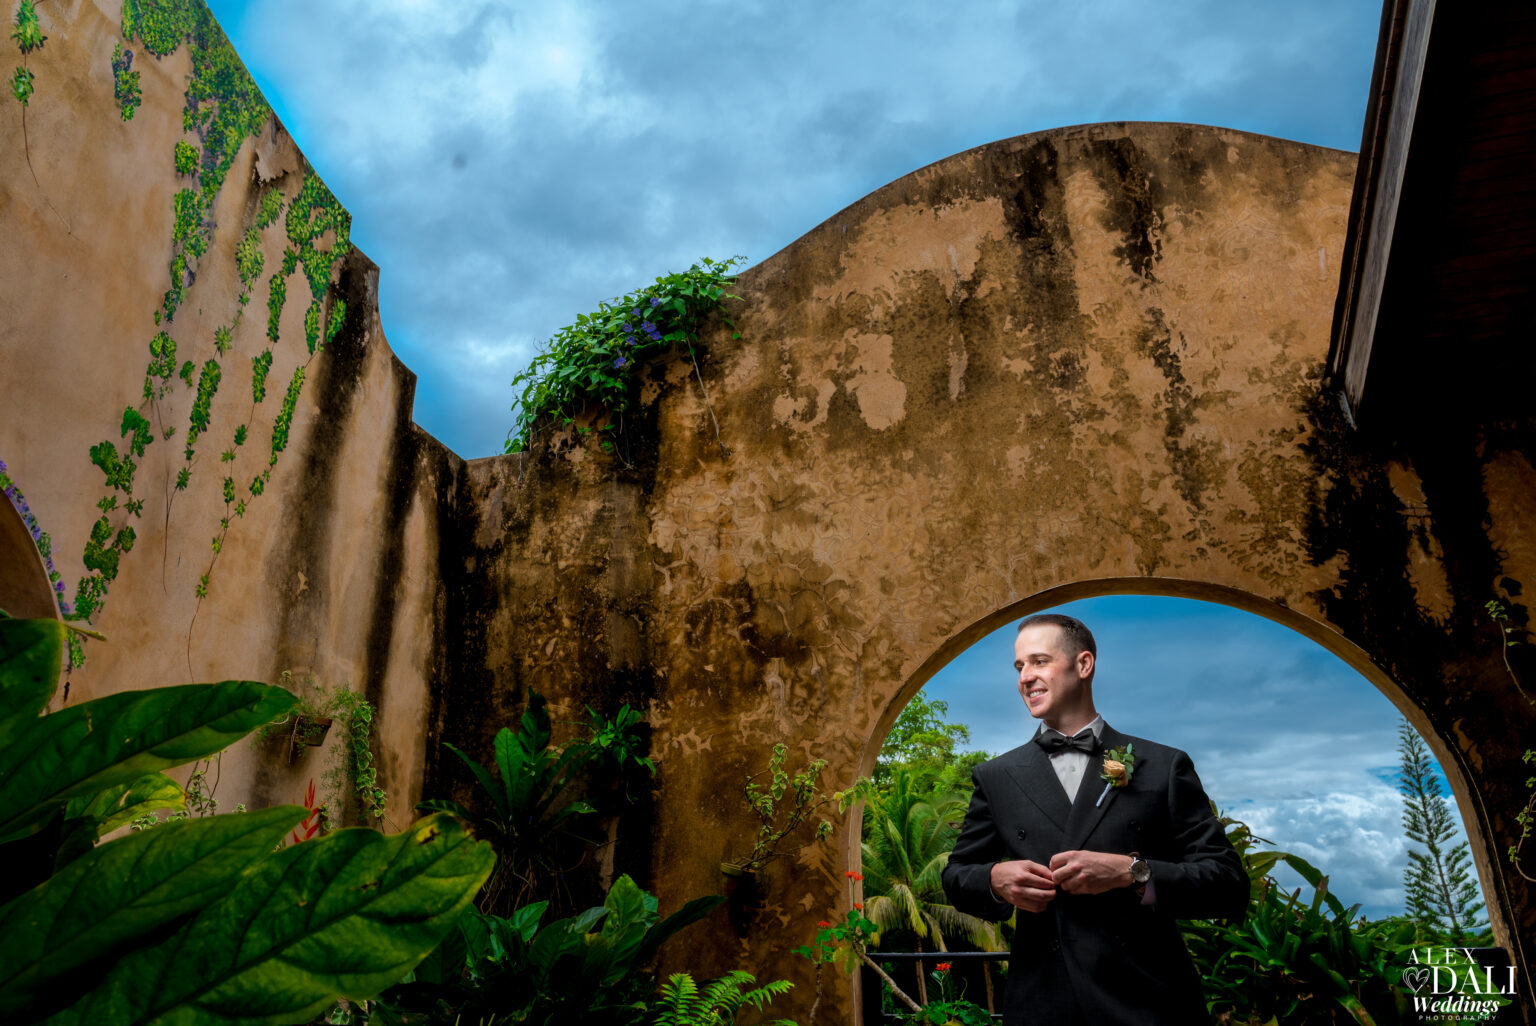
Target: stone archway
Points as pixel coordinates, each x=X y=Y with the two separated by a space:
x=1088 y=355
x=1472 y=809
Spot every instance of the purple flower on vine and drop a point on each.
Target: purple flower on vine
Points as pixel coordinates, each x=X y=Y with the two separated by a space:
x=64 y=608
x=620 y=362
x=2 y=466
x=630 y=340
x=59 y=587
x=655 y=302
x=647 y=327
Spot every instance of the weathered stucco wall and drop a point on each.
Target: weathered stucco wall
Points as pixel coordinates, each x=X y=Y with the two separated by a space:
x=1075 y=362
x=331 y=569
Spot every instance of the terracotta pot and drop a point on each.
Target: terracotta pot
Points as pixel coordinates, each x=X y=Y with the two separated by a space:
x=311 y=730
x=307 y=732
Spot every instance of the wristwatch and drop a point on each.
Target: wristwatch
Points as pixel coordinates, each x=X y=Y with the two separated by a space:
x=1141 y=869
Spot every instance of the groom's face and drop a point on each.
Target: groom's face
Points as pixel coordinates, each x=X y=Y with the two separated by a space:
x=1053 y=683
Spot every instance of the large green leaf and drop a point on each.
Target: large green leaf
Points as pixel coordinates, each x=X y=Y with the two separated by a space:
x=122 y=804
x=487 y=783
x=695 y=910
x=343 y=916
x=57 y=938
x=114 y=740
x=31 y=653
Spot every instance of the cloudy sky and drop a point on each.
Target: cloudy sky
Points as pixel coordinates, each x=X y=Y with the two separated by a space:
x=1285 y=736
x=509 y=165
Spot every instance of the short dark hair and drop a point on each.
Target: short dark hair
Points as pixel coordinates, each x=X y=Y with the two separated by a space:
x=1074 y=633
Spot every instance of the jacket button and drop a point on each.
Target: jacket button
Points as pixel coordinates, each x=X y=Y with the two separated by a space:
x=1055 y=945
x=1021 y=835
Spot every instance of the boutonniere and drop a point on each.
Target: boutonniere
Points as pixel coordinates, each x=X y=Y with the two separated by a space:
x=1119 y=764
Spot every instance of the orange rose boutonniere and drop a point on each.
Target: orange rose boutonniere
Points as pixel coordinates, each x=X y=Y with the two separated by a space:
x=1119 y=764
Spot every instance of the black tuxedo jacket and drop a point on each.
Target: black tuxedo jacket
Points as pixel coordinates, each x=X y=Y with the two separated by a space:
x=1105 y=957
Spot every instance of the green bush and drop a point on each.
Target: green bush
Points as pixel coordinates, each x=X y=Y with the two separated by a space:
x=524 y=812
x=1301 y=962
x=588 y=968
x=590 y=364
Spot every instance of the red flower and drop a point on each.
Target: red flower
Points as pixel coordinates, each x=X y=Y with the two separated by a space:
x=859 y=905
x=942 y=967
x=853 y=875
x=823 y=924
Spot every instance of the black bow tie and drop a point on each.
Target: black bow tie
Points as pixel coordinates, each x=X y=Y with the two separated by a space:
x=1054 y=741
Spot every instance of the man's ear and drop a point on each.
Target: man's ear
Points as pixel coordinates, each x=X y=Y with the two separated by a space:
x=1085 y=663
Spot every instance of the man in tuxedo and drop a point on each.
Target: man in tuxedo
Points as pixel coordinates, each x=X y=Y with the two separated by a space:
x=1097 y=869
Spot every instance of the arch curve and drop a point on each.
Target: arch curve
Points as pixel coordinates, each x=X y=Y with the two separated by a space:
x=1473 y=811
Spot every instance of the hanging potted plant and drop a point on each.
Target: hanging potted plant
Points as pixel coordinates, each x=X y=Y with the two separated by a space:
x=783 y=807
x=308 y=731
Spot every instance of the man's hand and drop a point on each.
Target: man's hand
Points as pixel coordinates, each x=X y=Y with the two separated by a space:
x=1023 y=884
x=1090 y=872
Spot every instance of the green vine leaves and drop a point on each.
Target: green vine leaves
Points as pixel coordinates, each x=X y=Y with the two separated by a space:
x=592 y=362
x=186 y=370
x=29 y=37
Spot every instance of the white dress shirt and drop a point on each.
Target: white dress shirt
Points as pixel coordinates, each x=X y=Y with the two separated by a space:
x=1069 y=763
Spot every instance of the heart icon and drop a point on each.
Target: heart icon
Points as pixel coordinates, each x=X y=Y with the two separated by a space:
x=1416 y=978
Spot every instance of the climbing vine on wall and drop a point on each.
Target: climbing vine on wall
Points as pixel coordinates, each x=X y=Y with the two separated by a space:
x=313 y=215
x=29 y=37
x=125 y=88
x=223 y=108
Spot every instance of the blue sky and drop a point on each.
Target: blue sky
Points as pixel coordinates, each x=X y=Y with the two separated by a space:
x=509 y=166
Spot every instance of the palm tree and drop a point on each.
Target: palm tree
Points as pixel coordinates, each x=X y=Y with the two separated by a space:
x=908 y=845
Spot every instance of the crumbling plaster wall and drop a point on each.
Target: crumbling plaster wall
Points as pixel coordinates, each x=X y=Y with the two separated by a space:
x=1076 y=362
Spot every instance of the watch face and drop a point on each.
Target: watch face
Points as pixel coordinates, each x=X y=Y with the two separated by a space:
x=1141 y=872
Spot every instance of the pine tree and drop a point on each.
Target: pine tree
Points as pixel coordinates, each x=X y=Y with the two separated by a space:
x=1441 y=892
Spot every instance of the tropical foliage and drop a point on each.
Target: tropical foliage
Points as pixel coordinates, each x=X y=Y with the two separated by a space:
x=682 y=1002
x=588 y=968
x=930 y=747
x=905 y=851
x=200 y=920
x=1303 y=961
x=526 y=808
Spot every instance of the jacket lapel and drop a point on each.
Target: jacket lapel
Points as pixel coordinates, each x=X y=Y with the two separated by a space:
x=1087 y=809
x=1036 y=780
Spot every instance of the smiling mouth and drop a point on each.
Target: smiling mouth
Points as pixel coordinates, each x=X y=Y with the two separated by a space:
x=1032 y=695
